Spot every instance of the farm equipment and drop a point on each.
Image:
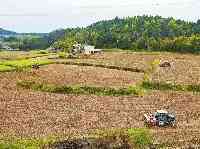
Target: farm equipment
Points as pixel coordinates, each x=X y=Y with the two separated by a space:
x=160 y=118
x=35 y=66
x=165 y=64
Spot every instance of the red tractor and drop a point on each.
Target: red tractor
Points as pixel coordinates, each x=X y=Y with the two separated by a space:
x=160 y=118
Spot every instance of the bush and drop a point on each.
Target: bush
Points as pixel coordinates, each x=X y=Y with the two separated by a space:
x=107 y=91
x=162 y=86
x=43 y=52
x=140 y=137
x=169 y=86
x=62 y=55
x=135 y=137
x=16 y=143
x=137 y=90
x=111 y=138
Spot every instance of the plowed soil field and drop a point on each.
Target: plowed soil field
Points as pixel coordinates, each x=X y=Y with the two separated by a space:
x=29 y=113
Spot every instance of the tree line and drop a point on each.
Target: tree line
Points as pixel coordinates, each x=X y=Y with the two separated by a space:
x=135 y=33
x=27 y=43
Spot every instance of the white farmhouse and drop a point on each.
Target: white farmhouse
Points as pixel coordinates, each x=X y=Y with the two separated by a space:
x=88 y=49
x=85 y=49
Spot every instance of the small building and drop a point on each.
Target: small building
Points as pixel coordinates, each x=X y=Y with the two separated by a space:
x=85 y=49
x=88 y=49
x=6 y=47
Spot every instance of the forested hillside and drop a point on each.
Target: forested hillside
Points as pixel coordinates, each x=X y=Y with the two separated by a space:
x=4 y=32
x=23 y=41
x=139 y=32
x=133 y=33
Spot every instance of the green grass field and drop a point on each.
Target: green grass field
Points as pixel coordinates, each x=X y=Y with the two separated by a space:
x=21 y=64
x=25 y=63
x=13 y=60
x=4 y=68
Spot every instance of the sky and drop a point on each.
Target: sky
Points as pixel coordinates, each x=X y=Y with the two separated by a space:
x=48 y=15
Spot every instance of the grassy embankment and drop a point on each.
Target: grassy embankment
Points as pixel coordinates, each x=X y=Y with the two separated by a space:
x=17 y=60
x=11 y=65
x=168 y=86
x=132 y=138
x=100 y=91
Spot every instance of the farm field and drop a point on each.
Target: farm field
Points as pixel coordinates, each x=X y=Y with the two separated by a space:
x=61 y=74
x=29 y=113
x=13 y=55
x=186 y=64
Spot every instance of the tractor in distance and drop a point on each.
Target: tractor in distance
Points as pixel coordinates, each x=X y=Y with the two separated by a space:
x=160 y=118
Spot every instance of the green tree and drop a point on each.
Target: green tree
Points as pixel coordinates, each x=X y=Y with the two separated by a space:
x=143 y=32
x=66 y=44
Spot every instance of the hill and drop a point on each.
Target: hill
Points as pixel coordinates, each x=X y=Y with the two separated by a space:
x=139 y=32
x=133 y=33
x=23 y=41
x=4 y=32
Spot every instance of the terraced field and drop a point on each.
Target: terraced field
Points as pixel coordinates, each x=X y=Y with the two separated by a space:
x=185 y=67
x=29 y=113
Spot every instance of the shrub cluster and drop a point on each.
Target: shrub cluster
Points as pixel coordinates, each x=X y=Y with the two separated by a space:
x=169 y=86
x=112 y=139
x=106 y=91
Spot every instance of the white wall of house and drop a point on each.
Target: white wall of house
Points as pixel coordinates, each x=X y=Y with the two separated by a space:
x=86 y=49
x=91 y=50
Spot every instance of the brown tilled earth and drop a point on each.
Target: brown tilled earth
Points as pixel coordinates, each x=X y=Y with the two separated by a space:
x=27 y=113
x=185 y=67
x=72 y=75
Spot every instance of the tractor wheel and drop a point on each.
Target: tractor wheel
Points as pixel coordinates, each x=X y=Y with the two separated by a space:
x=173 y=124
x=161 y=124
x=146 y=124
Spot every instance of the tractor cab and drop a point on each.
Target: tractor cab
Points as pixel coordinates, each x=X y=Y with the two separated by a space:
x=160 y=118
x=164 y=118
